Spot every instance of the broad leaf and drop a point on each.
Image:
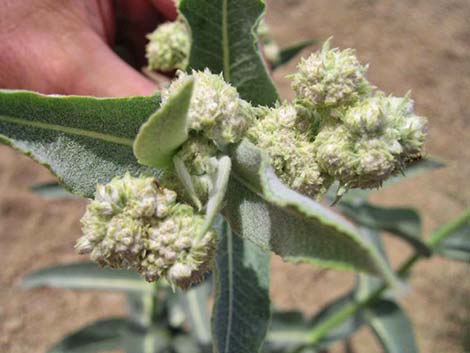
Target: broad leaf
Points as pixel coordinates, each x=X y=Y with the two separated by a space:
x=87 y=275
x=391 y=326
x=100 y=336
x=242 y=306
x=166 y=130
x=223 y=40
x=51 y=190
x=287 y=54
x=456 y=244
x=82 y=140
x=290 y=224
x=402 y=222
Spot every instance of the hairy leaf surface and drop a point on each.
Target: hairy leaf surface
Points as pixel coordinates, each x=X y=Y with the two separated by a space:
x=223 y=40
x=242 y=306
x=292 y=225
x=82 y=140
x=87 y=275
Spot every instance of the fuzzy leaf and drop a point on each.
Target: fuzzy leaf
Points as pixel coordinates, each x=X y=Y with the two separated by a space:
x=103 y=335
x=82 y=140
x=391 y=326
x=51 y=190
x=404 y=223
x=287 y=54
x=242 y=306
x=223 y=40
x=290 y=224
x=166 y=130
x=87 y=275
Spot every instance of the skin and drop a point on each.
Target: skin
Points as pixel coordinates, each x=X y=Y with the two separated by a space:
x=65 y=46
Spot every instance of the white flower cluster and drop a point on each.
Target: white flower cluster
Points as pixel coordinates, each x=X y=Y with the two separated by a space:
x=216 y=110
x=168 y=47
x=134 y=223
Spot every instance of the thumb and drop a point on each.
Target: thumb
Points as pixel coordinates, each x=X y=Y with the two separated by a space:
x=101 y=72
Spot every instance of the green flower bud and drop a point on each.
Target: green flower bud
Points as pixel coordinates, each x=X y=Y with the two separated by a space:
x=330 y=78
x=134 y=223
x=168 y=47
x=216 y=109
x=284 y=136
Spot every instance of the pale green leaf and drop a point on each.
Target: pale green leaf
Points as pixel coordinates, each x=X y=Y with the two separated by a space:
x=154 y=339
x=287 y=54
x=141 y=308
x=223 y=40
x=51 y=190
x=290 y=224
x=86 y=276
x=456 y=244
x=391 y=326
x=166 y=129
x=242 y=307
x=100 y=336
x=82 y=140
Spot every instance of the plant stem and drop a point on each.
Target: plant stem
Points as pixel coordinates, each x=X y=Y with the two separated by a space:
x=319 y=331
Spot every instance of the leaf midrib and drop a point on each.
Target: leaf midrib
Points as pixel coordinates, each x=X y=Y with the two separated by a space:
x=69 y=130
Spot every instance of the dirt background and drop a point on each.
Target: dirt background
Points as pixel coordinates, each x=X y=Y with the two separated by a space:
x=420 y=44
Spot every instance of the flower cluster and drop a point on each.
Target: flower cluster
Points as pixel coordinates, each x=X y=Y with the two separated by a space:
x=134 y=223
x=283 y=134
x=330 y=78
x=216 y=110
x=168 y=47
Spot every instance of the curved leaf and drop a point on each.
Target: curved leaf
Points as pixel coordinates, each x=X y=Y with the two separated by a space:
x=103 y=335
x=52 y=190
x=404 y=223
x=166 y=130
x=82 y=140
x=456 y=244
x=287 y=54
x=87 y=275
x=154 y=339
x=290 y=224
x=223 y=40
x=391 y=326
x=242 y=307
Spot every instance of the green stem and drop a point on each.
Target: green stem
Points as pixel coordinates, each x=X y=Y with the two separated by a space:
x=319 y=331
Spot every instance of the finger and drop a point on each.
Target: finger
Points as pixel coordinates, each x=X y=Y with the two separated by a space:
x=100 y=72
x=167 y=8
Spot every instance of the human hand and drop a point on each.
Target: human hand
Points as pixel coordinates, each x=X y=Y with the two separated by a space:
x=63 y=46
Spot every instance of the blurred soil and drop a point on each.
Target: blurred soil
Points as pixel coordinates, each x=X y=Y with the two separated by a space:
x=421 y=44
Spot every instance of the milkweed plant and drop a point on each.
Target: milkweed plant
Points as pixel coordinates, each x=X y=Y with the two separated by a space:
x=191 y=189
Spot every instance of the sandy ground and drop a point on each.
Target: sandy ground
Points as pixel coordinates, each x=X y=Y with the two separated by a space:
x=423 y=45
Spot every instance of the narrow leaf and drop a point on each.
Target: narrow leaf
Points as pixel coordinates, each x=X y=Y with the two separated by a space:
x=51 y=190
x=290 y=224
x=242 y=307
x=223 y=40
x=140 y=307
x=103 y=335
x=287 y=54
x=155 y=339
x=87 y=275
x=404 y=223
x=456 y=244
x=82 y=140
x=166 y=130
x=391 y=326
x=217 y=193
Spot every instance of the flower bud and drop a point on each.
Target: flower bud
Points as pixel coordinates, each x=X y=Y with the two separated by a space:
x=168 y=47
x=284 y=135
x=216 y=110
x=330 y=78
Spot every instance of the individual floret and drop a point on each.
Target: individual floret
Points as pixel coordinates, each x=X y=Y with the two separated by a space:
x=216 y=109
x=330 y=78
x=168 y=47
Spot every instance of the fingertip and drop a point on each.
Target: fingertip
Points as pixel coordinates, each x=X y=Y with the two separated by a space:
x=167 y=8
